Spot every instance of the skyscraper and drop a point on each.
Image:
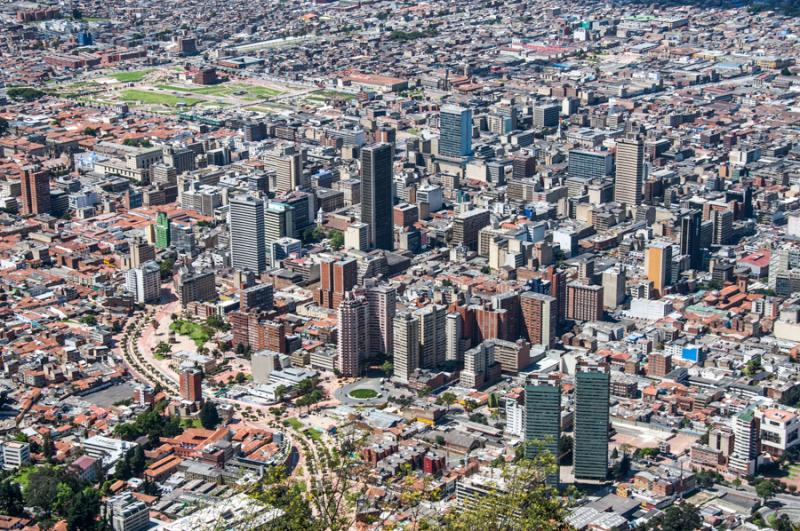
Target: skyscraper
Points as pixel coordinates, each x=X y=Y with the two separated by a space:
x=539 y=317
x=405 y=328
x=288 y=168
x=35 y=192
x=336 y=278
x=658 y=263
x=452 y=329
x=248 y=242
x=613 y=287
x=543 y=418
x=630 y=171
x=590 y=455
x=278 y=223
x=745 y=443
x=381 y=309
x=351 y=343
x=432 y=338
x=191 y=384
x=584 y=303
x=163 y=231
x=144 y=282
x=690 y=238
x=376 y=194
x=455 y=125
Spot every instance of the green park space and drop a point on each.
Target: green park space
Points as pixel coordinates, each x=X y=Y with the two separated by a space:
x=156 y=98
x=200 y=333
x=363 y=394
x=294 y=423
x=131 y=77
x=247 y=92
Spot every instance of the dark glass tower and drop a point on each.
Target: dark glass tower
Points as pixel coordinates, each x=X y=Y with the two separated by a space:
x=591 y=422
x=543 y=419
x=376 y=194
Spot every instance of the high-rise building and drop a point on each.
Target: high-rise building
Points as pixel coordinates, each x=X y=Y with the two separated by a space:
x=467 y=225
x=127 y=513
x=543 y=418
x=723 y=226
x=247 y=238
x=381 y=299
x=191 y=384
x=455 y=126
x=480 y=366
x=630 y=171
x=377 y=195
x=690 y=238
x=453 y=329
x=590 y=454
x=432 y=338
x=351 y=343
x=546 y=115
x=356 y=236
x=586 y=164
x=584 y=303
x=35 y=187
x=191 y=286
x=659 y=364
x=288 y=167
x=658 y=264
x=144 y=282
x=336 y=278
x=140 y=252
x=613 y=287
x=539 y=318
x=405 y=329
x=257 y=297
x=163 y=231
x=746 y=445
x=278 y=223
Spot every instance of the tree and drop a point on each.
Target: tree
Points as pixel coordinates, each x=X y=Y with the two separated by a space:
x=387 y=367
x=48 y=449
x=621 y=468
x=277 y=490
x=240 y=378
x=479 y=418
x=684 y=517
x=11 y=498
x=209 y=417
x=765 y=489
x=89 y=320
x=90 y=131
x=165 y=267
x=82 y=512
x=565 y=450
x=44 y=485
x=336 y=239
x=137 y=460
x=783 y=523
x=3 y=126
x=449 y=398
x=525 y=500
x=26 y=94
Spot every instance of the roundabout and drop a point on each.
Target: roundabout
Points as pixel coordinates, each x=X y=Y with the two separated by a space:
x=366 y=392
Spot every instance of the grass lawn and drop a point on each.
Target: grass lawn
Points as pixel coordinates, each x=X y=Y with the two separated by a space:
x=154 y=98
x=324 y=94
x=363 y=394
x=23 y=475
x=794 y=471
x=191 y=423
x=131 y=77
x=200 y=333
x=294 y=423
x=251 y=92
x=313 y=434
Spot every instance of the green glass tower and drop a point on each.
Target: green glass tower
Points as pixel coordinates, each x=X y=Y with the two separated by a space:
x=543 y=419
x=591 y=422
x=162 y=231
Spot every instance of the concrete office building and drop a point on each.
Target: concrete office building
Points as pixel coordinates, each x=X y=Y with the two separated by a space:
x=247 y=234
x=743 y=460
x=630 y=171
x=356 y=236
x=278 y=223
x=467 y=225
x=405 y=331
x=455 y=126
x=377 y=195
x=543 y=418
x=191 y=384
x=613 y=287
x=586 y=164
x=590 y=452
x=351 y=343
x=144 y=282
x=546 y=115
x=127 y=513
x=288 y=167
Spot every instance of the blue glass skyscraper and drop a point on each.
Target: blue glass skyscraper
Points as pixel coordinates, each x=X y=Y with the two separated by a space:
x=455 y=124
